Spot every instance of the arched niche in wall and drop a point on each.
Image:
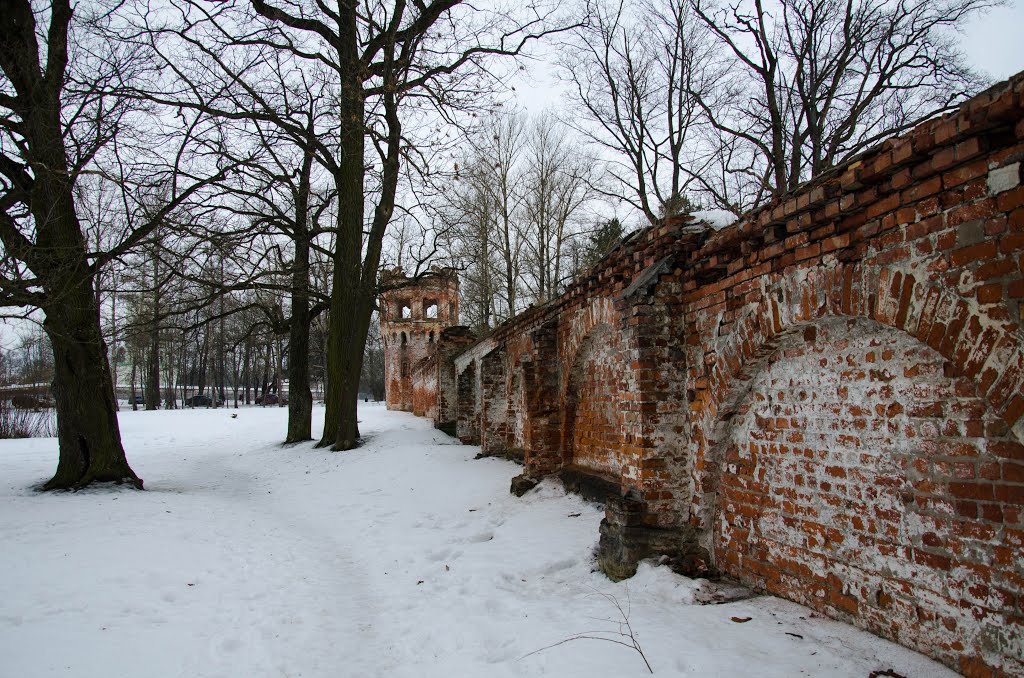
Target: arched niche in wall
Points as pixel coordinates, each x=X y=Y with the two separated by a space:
x=592 y=424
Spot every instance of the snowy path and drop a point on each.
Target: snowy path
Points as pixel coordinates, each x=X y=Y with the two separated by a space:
x=403 y=558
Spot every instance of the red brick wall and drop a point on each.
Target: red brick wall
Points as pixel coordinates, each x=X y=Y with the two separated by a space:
x=452 y=342
x=425 y=383
x=842 y=471
x=468 y=420
x=405 y=345
x=498 y=404
x=594 y=404
x=825 y=400
x=921 y=240
x=409 y=383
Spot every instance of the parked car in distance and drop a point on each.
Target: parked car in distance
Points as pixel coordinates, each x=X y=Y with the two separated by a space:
x=200 y=400
x=270 y=399
x=137 y=400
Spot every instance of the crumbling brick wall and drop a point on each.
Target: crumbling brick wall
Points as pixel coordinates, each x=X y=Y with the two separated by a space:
x=425 y=383
x=467 y=421
x=841 y=469
x=856 y=368
x=824 y=400
x=453 y=341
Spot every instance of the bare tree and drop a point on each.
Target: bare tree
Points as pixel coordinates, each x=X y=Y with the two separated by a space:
x=387 y=57
x=484 y=209
x=812 y=83
x=224 y=70
x=60 y=109
x=499 y=180
x=637 y=73
x=469 y=245
x=514 y=210
x=556 y=184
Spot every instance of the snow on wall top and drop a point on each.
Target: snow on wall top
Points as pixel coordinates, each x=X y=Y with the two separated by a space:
x=716 y=219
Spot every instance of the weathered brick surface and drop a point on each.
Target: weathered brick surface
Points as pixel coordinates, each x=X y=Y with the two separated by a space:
x=411 y=367
x=825 y=400
x=467 y=428
x=594 y=412
x=850 y=484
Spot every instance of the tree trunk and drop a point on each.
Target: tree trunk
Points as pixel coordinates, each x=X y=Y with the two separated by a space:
x=300 y=396
x=131 y=385
x=344 y=347
x=152 y=391
x=201 y=365
x=247 y=370
x=113 y=336
x=87 y=432
x=87 y=429
x=220 y=396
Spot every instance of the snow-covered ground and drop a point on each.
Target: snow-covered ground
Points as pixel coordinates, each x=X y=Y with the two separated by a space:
x=406 y=557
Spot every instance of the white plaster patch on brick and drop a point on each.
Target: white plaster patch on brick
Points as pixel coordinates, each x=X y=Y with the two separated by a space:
x=865 y=380
x=1018 y=430
x=1004 y=178
x=1009 y=640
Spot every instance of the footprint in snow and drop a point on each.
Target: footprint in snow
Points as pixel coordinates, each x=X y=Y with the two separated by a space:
x=480 y=538
x=502 y=652
x=557 y=566
x=495 y=608
x=444 y=554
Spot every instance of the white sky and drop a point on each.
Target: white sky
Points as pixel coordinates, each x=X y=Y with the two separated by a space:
x=994 y=42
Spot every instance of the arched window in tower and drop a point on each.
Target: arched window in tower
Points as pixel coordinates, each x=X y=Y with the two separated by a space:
x=405 y=310
x=431 y=308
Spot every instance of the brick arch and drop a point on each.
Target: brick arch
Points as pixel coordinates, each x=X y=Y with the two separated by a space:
x=949 y=323
x=952 y=324
x=597 y=313
x=936 y=522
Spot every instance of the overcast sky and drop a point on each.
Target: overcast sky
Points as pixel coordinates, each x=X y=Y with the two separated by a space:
x=994 y=43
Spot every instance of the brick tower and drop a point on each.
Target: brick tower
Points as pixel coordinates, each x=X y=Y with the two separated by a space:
x=412 y=316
